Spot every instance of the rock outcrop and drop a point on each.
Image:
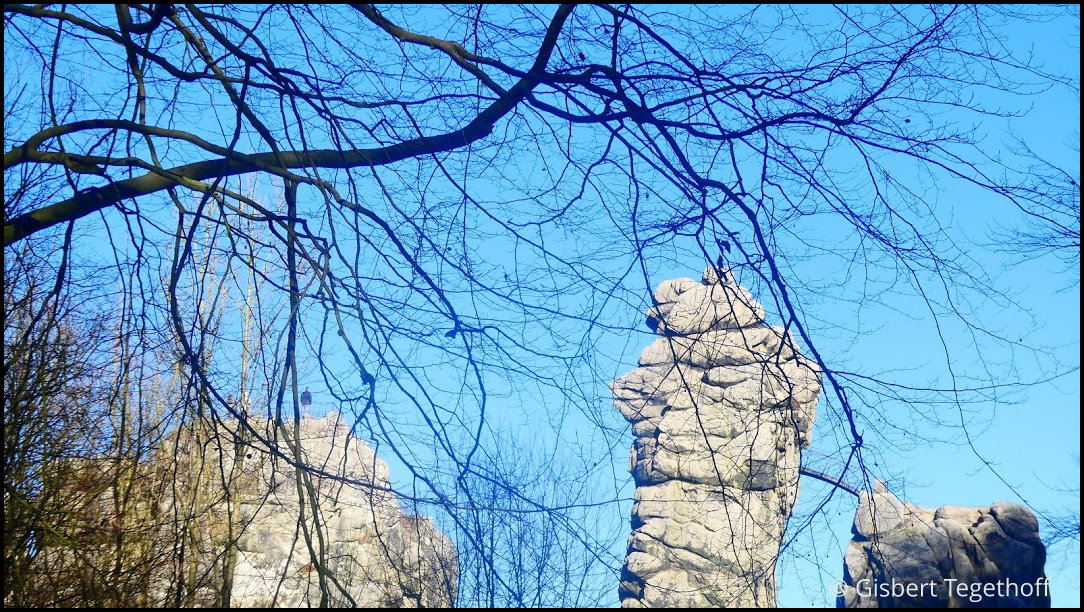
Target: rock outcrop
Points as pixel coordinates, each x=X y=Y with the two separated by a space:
x=368 y=552
x=720 y=407
x=903 y=556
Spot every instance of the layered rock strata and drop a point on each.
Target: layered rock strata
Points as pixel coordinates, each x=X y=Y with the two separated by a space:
x=720 y=406
x=903 y=556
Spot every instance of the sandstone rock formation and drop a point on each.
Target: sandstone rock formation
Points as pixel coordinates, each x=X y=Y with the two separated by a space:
x=720 y=407
x=369 y=552
x=903 y=556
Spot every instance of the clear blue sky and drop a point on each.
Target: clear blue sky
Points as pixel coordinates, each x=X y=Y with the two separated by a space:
x=1028 y=430
x=1029 y=433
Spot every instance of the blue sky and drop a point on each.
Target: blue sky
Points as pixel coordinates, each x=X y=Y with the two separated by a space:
x=862 y=319
x=1028 y=432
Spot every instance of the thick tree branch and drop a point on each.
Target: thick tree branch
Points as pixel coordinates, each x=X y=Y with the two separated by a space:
x=98 y=198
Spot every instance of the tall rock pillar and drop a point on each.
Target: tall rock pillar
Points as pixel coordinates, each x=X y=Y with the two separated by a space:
x=720 y=406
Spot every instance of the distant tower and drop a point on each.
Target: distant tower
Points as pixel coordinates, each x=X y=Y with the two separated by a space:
x=306 y=400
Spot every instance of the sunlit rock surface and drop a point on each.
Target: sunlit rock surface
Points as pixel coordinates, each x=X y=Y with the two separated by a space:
x=370 y=552
x=903 y=556
x=720 y=407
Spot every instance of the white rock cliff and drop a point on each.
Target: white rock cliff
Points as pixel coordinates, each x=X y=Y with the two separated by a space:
x=368 y=551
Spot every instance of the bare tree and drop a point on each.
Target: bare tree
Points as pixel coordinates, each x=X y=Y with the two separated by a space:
x=77 y=494
x=472 y=201
x=1052 y=224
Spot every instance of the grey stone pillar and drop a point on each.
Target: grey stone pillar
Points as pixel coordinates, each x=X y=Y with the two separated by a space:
x=720 y=406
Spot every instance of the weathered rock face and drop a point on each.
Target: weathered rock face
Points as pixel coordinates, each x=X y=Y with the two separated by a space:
x=720 y=407
x=369 y=552
x=903 y=556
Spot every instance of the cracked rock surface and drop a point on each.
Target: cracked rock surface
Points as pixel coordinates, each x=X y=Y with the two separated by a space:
x=720 y=406
x=951 y=557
